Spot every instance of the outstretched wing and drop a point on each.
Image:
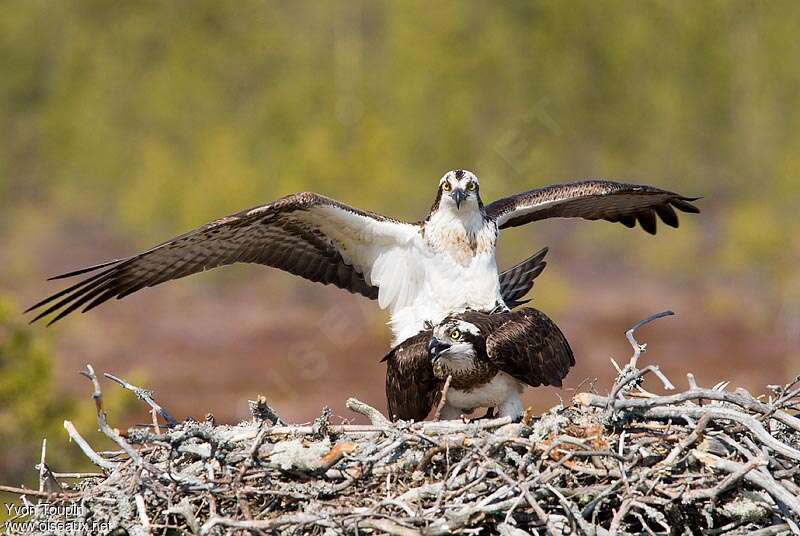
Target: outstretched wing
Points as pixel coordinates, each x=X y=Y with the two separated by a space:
x=305 y=234
x=530 y=347
x=411 y=387
x=518 y=280
x=593 y=200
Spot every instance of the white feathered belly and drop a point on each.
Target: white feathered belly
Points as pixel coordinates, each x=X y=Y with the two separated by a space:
x=436 y=273
x=491 y=394
x=447 y=288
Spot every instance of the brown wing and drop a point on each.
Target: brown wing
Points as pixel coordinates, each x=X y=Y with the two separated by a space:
x=411 y=387
x=593 y=200
x=517 y=281
x=305 y=234
x=530 y=347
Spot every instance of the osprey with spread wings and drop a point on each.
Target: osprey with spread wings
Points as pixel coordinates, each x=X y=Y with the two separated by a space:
x=421 y=272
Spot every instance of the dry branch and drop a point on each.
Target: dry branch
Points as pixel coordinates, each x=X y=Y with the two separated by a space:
x=144 y=395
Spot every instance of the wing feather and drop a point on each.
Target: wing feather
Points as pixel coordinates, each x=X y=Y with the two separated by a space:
x=593 y=200
x=411 y=386
x=518 y=280
x=304 y=234
x=647 y=219
x=530 y=347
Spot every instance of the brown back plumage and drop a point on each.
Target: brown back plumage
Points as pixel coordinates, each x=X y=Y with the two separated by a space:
x=525 y=344
x=530 y=347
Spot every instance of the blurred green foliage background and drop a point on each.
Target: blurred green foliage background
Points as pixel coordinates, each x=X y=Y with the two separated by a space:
x=123 y=123
x=31 y=408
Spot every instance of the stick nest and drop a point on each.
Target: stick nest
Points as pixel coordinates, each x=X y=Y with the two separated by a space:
x=701 y=461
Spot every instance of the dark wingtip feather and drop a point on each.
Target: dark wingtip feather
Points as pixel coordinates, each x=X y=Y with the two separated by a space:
x=516 y=303
x=84 y=270
x=36 y=306
x=74 y=290
x=56 y=319
x=75 y=301
x=538 y=256
x=647 y=220
x=38 y=317
x=684 y=205
x=667 y=214
x=53 y=308
x=101 y=299
x=60 y=294
x=531 y=274
x=60 y=315
x=628 y=221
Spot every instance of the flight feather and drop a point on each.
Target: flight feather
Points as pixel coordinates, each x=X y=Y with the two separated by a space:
x=593 y=200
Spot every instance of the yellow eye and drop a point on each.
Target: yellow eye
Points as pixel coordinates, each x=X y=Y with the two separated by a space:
x=446 y=187
x=455 y=334
x=471 y=187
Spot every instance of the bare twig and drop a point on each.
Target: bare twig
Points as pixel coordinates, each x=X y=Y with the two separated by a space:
x=443 y=399
x=653 y=409
x=184 y=509
x=631 y=375
x=97 y=395
x=36 y=493
x=93 y=456
x=79 y=475
x=252 y=454
x=731 y=480
x=757 y=478
x=144 y=395
x=639 y=349
x=141 y=508
x=375 y=417
x=43 y=465
x=687 y=442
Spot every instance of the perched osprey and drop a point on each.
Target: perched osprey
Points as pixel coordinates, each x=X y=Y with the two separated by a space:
x=491 y=357
x=421 y=272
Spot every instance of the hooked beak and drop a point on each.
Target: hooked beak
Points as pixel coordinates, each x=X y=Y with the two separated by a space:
x=436 y=348
x=458 y=196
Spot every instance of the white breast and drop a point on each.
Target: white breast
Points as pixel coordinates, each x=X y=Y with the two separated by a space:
x=448 y=283
x=491 y=394
x=444 y=267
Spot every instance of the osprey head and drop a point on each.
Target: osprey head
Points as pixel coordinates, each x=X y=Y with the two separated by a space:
x=454 y=344
x=459 y=187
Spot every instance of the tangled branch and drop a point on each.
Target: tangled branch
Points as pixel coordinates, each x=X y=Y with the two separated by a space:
x=699 y=461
